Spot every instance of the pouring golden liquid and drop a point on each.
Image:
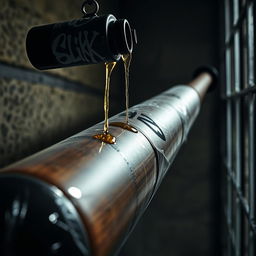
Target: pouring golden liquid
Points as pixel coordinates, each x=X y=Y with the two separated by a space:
x=106 y=136
x=127 y=62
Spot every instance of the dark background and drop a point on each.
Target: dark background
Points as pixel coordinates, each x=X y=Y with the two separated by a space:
x=175 y=37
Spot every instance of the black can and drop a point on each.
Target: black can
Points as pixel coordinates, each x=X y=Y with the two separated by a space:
x=78 y=42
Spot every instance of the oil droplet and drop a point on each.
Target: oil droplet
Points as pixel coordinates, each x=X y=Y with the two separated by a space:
x=127 y=62
x=105 y=136
x=125 y=126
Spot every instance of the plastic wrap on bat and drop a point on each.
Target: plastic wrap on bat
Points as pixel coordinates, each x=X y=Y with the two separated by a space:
x=82 y=197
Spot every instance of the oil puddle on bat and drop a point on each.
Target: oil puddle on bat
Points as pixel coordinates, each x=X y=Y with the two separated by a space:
x=105 y=136
x=124 y=126
x=127 y=62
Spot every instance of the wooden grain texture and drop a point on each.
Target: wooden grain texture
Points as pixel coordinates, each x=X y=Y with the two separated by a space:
x=112 y=213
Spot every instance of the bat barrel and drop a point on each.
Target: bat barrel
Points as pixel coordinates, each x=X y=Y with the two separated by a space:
x=82 y=197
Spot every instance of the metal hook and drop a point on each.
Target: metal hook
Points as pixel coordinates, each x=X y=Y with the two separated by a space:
x=95 y=10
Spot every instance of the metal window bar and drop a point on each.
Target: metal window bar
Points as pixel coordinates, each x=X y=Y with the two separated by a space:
x=239 y=131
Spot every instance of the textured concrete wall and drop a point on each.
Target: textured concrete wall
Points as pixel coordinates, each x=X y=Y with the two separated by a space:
x=40 y=108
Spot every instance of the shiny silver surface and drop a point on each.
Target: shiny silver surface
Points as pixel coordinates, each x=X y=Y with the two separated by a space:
x=111 y=185
x=165 y=121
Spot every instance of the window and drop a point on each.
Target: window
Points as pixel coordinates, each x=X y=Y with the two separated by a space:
x=238 y=133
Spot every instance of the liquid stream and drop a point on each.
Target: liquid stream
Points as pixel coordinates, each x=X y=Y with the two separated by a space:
x=106 y=136
x=127 y=62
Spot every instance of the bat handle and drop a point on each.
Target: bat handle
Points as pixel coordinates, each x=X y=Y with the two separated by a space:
x=205 y=80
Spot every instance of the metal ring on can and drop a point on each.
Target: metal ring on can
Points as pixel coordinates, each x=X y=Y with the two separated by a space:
x=90 y=3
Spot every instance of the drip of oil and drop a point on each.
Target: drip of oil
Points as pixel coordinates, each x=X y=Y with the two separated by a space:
x=125 y=126
x=105 y=136
x=127 y=62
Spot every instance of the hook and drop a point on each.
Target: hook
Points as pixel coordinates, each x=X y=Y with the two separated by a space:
x=92 y=3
